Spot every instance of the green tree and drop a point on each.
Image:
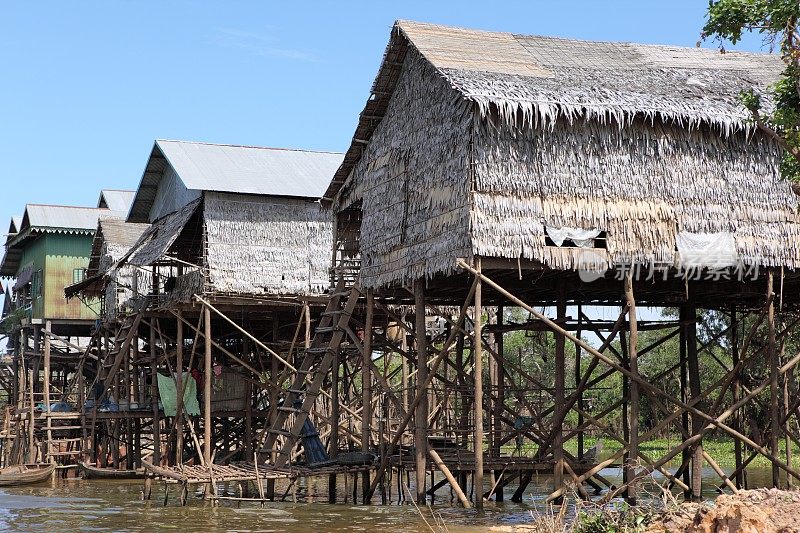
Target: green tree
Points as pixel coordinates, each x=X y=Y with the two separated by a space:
x=776 y=21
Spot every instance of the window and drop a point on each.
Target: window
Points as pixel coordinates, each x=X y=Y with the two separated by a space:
x=78 y=275
x=36 y=284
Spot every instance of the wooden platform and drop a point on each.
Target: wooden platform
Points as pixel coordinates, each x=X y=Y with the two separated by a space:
x=196 y=474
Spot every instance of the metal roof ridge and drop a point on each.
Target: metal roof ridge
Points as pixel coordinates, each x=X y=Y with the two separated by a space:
x=251 y=146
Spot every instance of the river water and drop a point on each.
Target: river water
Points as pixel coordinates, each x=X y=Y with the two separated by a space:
x=66 y=505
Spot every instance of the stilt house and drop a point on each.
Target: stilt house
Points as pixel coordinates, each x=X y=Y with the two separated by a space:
x=537 y=150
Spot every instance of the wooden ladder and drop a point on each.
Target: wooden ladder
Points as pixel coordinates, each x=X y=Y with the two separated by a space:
x=311 y=373
x=122 y=345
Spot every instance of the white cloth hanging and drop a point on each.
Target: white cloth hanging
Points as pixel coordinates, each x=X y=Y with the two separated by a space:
x=583 y=238
x=706 y=250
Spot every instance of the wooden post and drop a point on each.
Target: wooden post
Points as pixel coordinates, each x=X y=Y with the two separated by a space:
x=737 y=394
x=633 y=392
x=421 y=413
x=179 y=405
x=154 y=395
x=695 y=391
x=500 y=403
x=307 y=314
x=578 y=377
x=437 y=460
x=248 y=413
x=366 y=391
x=207 y=373
x=31 y=419
x=273 y=400
x=334 y=435
x=558 y=436
x=404 y=365
x=478 y=406
x=772 y=357
x=684 y=386
x=46 y=389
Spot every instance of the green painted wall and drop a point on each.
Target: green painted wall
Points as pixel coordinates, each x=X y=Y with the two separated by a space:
x=64 y=254
x=34 y=254
x=57 y=255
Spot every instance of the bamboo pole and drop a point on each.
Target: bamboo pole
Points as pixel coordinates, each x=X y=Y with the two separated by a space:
x=448 y=345
x=772 y=357
x=717 y=422
x=179 y=387
x=154 y=396
x=421 y=414
x=207 y=372
x=633 y=391
x=46 y=390
x=478 y=381
x=736 y=392
x=558 y=395
x=437 y=460
x=366 y=389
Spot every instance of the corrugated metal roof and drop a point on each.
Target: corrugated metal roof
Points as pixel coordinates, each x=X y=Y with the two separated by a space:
x=239 y=169
x=13 y=227
x=62 y=217
x=116 y=200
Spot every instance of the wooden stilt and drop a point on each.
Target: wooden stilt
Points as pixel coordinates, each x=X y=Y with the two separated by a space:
x=179 y=388
x=578 y=379
x=500 y=402
x=421 y=413
x=31 y=421
x=558 y=394
x=772 y=357
x=633 y=392
x=273 y=400
x=46 y=390
x=478 y=404
x=334 y=422
x=737 y=393
x=684 y=386
x=154 y=395
x=366 y=391
x=207 y=373
x=695 y=391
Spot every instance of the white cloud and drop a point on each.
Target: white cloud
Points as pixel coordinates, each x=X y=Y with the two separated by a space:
x=261 y=44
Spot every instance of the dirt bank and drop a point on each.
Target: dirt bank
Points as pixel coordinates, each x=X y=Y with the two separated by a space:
x=750 y=511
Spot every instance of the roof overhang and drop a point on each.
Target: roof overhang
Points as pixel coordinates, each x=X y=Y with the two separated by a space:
x=148 y=186
x=374 y=110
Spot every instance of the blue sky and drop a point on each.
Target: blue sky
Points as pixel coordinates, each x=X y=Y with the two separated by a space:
x=87 y=86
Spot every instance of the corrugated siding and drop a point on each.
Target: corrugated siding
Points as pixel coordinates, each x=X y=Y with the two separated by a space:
x=34 y=254
x=65 y=253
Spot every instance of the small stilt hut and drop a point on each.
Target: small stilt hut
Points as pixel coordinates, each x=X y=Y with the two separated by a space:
x=228 y=271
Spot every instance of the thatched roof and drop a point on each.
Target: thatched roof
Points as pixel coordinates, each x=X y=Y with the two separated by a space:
x=481 y=143
x=113 y=238
x=543 y=78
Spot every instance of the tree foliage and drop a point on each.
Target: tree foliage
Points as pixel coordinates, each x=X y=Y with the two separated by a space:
x=776 y=21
